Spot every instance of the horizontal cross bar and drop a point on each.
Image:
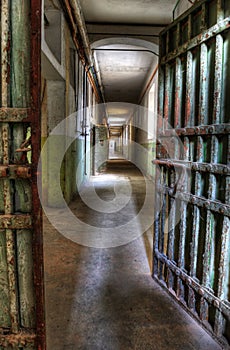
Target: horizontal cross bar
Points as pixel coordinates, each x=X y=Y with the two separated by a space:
x=18 y=221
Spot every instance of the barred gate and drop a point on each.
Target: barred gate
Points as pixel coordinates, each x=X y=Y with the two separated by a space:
x=191 y=257
x=21 y=260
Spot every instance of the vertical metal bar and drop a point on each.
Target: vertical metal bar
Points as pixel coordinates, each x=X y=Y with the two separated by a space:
x=189 y=89
x=189 y=27
x=5 y=46
x=161 y=78
x=162 y=225
x=5 y=321
x=222 y=289
x=167 y=43
x=182 y=230
x=209 y=239
x=171 y=234
x=20 y=97
x=218 y=79
x=203 y=98
x=178 y=89
x=196 y=220
x=203 y=17
x=10 y=239
x=36 y=14
x=25 y=280
x=220 y=10
x=167 y=93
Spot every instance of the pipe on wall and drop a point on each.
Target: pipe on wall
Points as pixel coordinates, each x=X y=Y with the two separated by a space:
x=78 y=15
x=76 y=21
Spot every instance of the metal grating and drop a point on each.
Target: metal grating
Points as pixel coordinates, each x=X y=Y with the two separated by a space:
x=21 y=260
x=191 y=254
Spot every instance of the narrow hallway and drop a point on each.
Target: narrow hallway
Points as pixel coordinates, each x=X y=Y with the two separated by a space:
x=106 y=298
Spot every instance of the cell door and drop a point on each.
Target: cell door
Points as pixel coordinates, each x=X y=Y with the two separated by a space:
x=192 y=225
x=21 y=259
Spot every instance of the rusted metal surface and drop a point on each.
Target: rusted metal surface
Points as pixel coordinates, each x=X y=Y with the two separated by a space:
x=191 y=250
x=4 y=171
x=201 y=38
x=18 y=341
x=15 y=221
x=36 y=146
x=14 y=114
x=15 y=171
x=5 y=46
x=21 y=261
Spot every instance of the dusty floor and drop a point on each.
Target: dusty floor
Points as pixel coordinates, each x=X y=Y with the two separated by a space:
x=105 y=298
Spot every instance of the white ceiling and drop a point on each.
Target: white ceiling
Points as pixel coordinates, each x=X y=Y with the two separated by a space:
x=128 y=11
x=124 y=74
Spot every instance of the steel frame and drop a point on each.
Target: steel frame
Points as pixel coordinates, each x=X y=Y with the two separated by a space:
x=191 y=258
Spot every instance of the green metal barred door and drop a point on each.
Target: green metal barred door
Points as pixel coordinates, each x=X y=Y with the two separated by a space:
x=192 y=228
x=21 y=260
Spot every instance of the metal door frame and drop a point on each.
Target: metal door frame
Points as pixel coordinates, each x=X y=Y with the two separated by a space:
x=191 y=258
x=19 y=336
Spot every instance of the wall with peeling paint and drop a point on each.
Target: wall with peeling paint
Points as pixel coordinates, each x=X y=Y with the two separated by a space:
x=65 y=91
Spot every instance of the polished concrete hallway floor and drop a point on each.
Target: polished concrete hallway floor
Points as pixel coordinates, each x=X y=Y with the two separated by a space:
x=105 y=298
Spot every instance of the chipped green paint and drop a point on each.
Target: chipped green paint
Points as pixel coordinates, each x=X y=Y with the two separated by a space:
x=197 y=260
x=25 y=278
x=23 y=196
x=20 y=53
x=4 y=285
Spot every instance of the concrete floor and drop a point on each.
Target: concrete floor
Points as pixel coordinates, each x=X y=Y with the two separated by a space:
x=105 y=298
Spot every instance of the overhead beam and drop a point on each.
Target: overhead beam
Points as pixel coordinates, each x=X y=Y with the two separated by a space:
x=97 y=31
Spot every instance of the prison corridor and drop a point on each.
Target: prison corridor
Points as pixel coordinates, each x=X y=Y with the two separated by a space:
x=106 y=298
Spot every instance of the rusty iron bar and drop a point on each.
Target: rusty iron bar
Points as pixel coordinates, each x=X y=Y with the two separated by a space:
x=201 y=202
x=161 y=80
x=10 y=239
x=4 y=171
x=213 y=168
x=223 y=268
x=198 y=40
x=178 y=93
x=162 y=226
x=171 y=231
x=17 y=341
x=220 y=10
x=36 y=13
x=220 y=129
x=156 y=237
x=23 y=172
x=218 y=79
x=203 y=96
x=183 y=223
x=206 y=293
x=5 y=47
x=12 y=221
x=15 y=171
x=167 y=93
x=21 y=98
x=16 y=115
x=208 y=262
x=189 y=90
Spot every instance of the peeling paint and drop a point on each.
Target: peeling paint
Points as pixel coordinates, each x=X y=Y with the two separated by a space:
x=194 y=262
